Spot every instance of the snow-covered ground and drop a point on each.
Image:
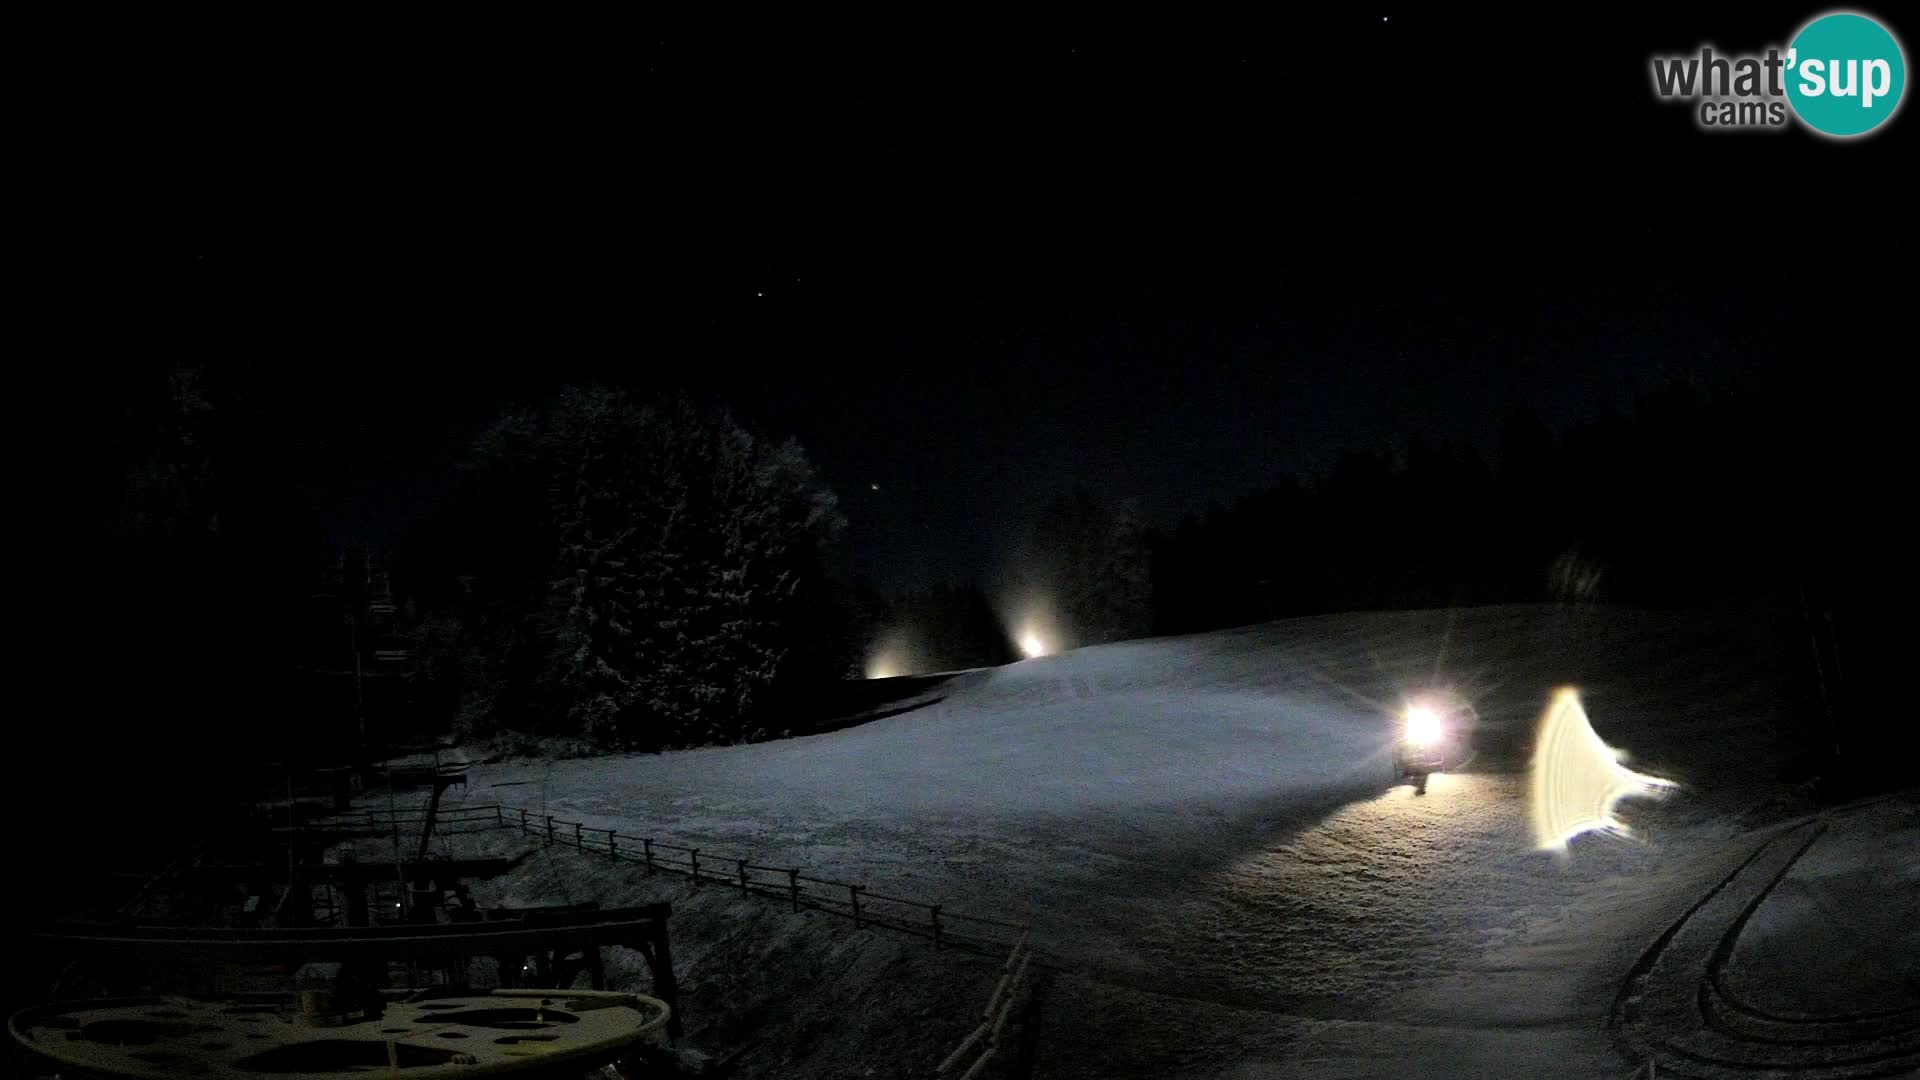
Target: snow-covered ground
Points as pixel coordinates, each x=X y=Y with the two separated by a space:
x=1219 y=867
x=1841 y=932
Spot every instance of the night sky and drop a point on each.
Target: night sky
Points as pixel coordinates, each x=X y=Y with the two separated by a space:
x=969 y=268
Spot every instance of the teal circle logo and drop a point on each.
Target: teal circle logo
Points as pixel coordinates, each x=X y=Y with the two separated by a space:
x=1845 y=74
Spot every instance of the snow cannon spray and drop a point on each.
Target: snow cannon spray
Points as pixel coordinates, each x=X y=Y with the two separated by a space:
x=1577 y=779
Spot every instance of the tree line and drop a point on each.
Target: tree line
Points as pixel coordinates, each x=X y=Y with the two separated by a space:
x=645 y=574
x=1689 y=498
x=651 y=574
x=1695 y=495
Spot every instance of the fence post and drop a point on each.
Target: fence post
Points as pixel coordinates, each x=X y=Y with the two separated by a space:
x=854 y=891
x=613 y=849
x=743 y=875
x=934 y=911
x=646 y=847
x=694 y=857
x=577 y=842
x=523 y=821
x=793 y=886
x=499 y=816
x=549 y=830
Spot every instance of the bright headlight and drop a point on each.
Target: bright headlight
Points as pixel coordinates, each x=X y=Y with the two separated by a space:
x=1423 y=725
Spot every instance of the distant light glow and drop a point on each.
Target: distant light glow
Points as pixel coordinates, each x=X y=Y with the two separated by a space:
x=888 y=662
x=1031 y=646
x=1577 y=779
x=1423 y=725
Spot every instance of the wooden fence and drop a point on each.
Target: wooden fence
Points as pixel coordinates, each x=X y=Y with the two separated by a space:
x=447 y=821
x=993 y=1019
x=791 y=883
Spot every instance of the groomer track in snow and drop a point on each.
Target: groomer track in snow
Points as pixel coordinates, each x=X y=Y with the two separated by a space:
x=1694 y=1004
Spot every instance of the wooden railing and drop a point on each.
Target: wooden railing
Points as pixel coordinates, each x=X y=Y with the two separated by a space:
x=851 y=900
x=993 y=1020
x=790 y=883
x=447 y=820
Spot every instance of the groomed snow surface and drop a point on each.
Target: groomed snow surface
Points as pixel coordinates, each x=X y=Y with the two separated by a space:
x=1223 y=875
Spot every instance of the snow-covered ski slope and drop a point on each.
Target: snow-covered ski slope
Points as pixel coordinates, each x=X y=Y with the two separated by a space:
x=1257 y=715
x=1208 y=836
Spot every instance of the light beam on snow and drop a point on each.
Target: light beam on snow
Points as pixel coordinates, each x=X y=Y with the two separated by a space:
x=1031 y=645
x=1577 y=779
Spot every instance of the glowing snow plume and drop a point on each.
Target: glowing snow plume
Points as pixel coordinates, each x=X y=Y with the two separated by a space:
x=1031 y=645
x=1577 y=779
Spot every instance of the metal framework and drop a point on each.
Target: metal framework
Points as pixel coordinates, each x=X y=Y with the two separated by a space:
x=560 y=942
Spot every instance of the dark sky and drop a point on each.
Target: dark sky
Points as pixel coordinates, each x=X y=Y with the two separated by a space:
x=978 y=265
